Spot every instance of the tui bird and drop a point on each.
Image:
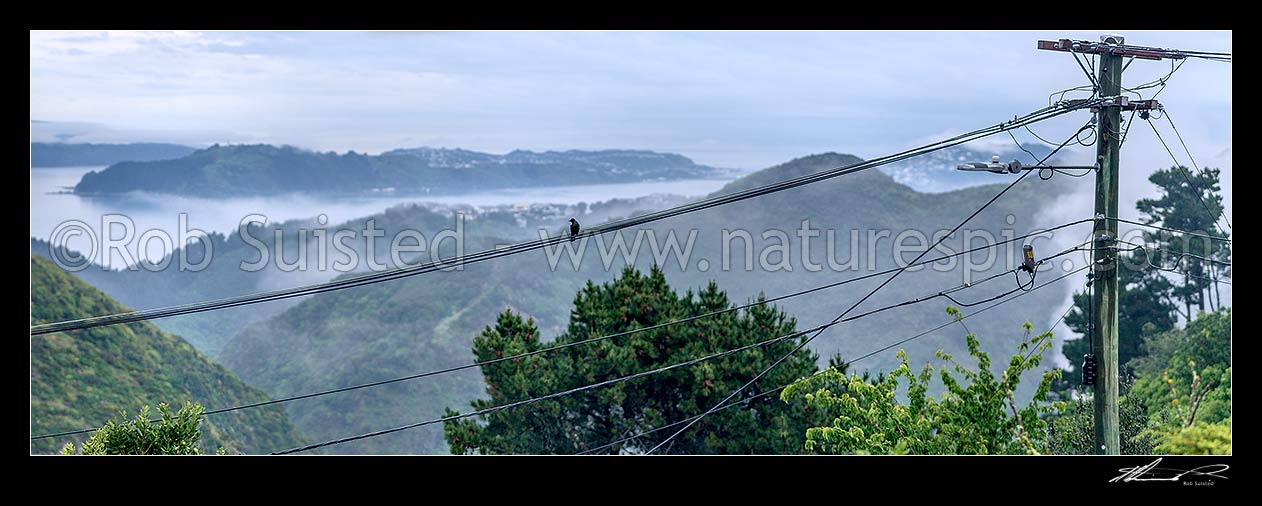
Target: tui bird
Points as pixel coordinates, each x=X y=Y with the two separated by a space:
x=573 y=228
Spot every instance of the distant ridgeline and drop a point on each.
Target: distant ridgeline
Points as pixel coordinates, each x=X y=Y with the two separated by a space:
x=266 y=170
x=77 y=155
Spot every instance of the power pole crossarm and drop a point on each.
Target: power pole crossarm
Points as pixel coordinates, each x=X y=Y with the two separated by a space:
x=1113 y=45
x=1083 y=46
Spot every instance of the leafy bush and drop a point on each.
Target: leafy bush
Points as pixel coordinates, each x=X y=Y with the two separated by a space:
x=1073 y=431
x=174 y=434
x=976 y=415
x=1198 y=439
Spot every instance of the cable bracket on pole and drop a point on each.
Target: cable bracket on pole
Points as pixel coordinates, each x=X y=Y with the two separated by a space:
x=1116 y=101
x=1107 y=245
x=1128 y=105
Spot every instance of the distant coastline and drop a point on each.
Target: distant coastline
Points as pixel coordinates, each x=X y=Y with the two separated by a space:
x=266 y=170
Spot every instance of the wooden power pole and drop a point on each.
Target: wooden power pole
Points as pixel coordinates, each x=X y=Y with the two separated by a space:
x=1108 y=86
x=1104 y=257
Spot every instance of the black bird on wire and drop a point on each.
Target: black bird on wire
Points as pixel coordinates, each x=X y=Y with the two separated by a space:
x=573 y=228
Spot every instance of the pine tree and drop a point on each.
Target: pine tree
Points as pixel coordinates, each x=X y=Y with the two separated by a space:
x=1179 y=207
x=596 y=417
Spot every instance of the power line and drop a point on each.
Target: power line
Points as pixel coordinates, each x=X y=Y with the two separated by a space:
x=1126 y=131
x=1020 y=287
x=545 y=397
x=1051 y=170
x=1093 y=47
x=649 y=372
x=1200 y=170
x=873 y=292
x=1180 y=258
x=600 y=338
x=1184 y=273
x=1172 y=269
x=1205 y=278
x=1094 y=138
x=1193 y=187
x=1179 y=254
x=1173 y=68
x=1034 y=117
x=857 y=303
x=1022 y=148
x=1094 y=85
x=1061 y=98
x=862 y=357
x=1058 y=320
x=1039 y=137
x=1161 y=81
x=1165 y=229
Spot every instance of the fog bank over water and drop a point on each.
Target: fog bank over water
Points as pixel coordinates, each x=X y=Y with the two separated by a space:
x=149 y=211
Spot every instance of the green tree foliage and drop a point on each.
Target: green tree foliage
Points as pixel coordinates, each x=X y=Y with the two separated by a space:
x=1184 y=433
x=977 y=414
x=1144 y=309
x=1155 y=352
x=577 y=422
x=174 y=434
x=1202 y=349
x=80 y=378
x=1184 y=384
x=1073 y=431
x=1179 y=207
x=1149 y=301
x=1198 y=439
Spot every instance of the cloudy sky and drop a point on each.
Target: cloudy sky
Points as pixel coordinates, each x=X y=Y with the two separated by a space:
x=734 y=99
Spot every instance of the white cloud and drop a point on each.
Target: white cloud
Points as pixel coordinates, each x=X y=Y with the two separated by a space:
x=744 y=99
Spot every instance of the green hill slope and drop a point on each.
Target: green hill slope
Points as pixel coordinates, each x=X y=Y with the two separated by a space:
x=143 y=288
x=427 y=322
x=378 y=332
x=82 y=378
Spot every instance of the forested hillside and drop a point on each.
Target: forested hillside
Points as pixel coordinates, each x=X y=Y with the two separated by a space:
x=417 y=324
x=83 y=378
